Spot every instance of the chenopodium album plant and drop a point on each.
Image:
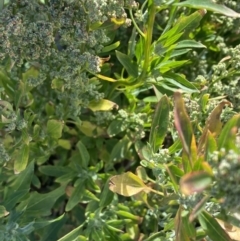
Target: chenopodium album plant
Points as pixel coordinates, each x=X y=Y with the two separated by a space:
x=54 y=154
x=196 y=181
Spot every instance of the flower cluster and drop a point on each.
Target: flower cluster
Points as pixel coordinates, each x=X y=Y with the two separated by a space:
x=103 y=116
x=227 y=173
x=133 y=123
x=62 y=40
x=4 y=157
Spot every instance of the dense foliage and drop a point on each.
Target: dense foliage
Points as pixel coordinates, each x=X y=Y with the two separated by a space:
x=119 y=120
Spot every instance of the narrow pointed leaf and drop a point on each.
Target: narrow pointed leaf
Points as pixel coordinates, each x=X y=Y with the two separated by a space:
x=84 y=155
x=106 y=196
x=129 y=216
x=209 y=5
x=110 y=47
x=212 y=228
x=213 y=124
x=41 y=204
x=188 y=43
x=160 y=123
x=128 y=64
x=72 y=235
x=20 y=187
x=185 y=24
x=75 y=197
x=184 y=128
x=228 y=134
x=180 y=229
x=102 y=77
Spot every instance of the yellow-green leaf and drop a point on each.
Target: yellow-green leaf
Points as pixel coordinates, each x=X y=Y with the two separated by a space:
x=102 y=77
x=3 y=211
x=90 y=129
x=66 y=144
x=102 y=105
x=127 y=184
x=54 y=128
x=21 y=159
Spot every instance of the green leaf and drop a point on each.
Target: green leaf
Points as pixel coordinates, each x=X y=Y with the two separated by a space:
x=53 y=226
x=106 y=196
x=8 y=84
x=127 y=184
x=3 y=211
x=115 y=127
x=66 y=144
x=129 y=215
x=159 y=236
x=21 y=160
x=20 y=187
x=141 y=173
x=211 y=146
x=176 y=171
x=165 y=66
x=57 y=84
x=89 y=196
x=212 y=228
x=185 y=23
x=84 y=155
x=180 y=229
x=110 y=47
x=128 y=64
x=75 y=196
x=185 y=131
x=1 y=5
x=195 y=182
x=120 y=150
x=178 y=52
x=112 y=232
x=227 y=138
x=72 y=235
x=66 y=178
x=54 y=171
x=54 y=128
x=209 y=5
x=188 y=226
x=102 y=77
x=213 y=124
x=102 y=105
x=41 y=204
x=159 y=124
x=178 y=85
x=188 y=43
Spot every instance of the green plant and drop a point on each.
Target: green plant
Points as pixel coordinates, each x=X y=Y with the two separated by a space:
x=196 y=184
x=72 y=117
